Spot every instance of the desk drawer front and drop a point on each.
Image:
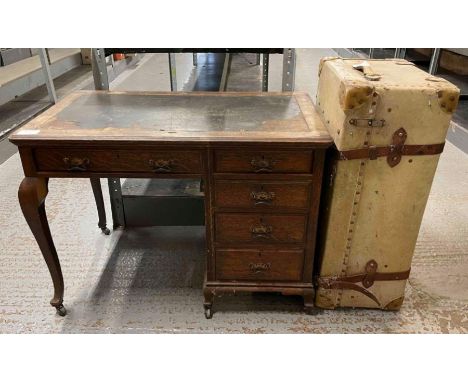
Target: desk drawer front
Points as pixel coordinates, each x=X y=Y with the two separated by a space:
x=261 y=195
x=259 y=265
x=260 y=228
x=263 y=162
x=176 y=162
x=74 y=160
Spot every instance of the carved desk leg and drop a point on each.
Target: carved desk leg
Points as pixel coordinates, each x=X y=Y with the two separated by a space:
x=309 y=307
x=97 y=190
x=208 y=293
x=32 y=194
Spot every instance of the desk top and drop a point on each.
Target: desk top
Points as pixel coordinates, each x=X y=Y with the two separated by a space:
x=91 y=116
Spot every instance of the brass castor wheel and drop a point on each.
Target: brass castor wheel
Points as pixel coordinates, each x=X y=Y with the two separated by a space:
x=61 y=311
x=105 y=230
x=208 y=312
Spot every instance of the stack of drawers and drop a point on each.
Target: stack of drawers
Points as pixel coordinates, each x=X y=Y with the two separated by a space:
x=264 y=220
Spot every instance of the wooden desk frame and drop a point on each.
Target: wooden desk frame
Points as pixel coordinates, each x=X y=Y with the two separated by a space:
x=44 y=158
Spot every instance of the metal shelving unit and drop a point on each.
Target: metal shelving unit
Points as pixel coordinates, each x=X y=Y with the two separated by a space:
x=289 y=60
x=45 y=63
x=49 y=82
x=101 y=82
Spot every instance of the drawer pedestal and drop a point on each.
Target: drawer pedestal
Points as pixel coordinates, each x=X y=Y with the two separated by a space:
x=264 y=207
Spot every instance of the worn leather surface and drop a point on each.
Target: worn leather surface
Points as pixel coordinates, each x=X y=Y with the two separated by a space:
x=374 y=211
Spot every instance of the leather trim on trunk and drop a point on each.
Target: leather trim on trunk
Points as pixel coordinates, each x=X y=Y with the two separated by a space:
x=393 y=152
x=367 y=279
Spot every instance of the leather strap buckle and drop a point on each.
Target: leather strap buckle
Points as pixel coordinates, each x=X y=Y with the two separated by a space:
x=367 y=279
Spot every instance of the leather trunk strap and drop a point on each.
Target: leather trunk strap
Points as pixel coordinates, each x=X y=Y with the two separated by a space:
x=373 y=152
x=393 y=152
x=367 y=279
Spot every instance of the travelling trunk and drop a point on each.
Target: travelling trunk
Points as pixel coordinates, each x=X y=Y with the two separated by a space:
x=388 y=120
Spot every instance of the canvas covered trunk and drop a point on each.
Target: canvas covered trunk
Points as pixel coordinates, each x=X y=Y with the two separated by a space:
x=388 y=120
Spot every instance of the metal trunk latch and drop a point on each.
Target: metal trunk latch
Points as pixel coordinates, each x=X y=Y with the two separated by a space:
x=367 y=122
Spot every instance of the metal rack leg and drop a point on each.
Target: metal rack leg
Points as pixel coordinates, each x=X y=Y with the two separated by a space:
x=371 y=52
x=400 y=52
x=47 y=75
x=434 y=61
x=258 y=59
x=266 y=61
x=289 y=68
x=101 y=79
x=195 y=59
x=172 y=72
x=115 y=191
x=101 y=82
x=226 y=69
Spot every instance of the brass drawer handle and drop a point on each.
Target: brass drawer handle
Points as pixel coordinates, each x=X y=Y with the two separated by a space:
x=262 y=231
x=262 y=164
x=77 y=164
x=161 y=165
x=262 y=197
x=259 y=267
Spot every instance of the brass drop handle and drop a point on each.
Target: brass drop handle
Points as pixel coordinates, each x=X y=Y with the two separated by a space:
x=77 y=164
x=262 y=164
x=262 y=231
x=161 y=165
x=259 y=267
x=262 y=197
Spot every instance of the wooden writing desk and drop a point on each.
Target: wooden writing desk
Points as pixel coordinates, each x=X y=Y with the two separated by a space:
x=260 y=157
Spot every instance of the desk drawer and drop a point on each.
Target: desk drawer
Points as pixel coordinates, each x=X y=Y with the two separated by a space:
x=260 y=162
x=75 y=160
x=175 y=162
x=259 y=265
x=260 y=228
x=261 y=195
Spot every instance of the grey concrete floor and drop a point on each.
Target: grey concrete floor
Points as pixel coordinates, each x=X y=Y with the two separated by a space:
x=148 y=280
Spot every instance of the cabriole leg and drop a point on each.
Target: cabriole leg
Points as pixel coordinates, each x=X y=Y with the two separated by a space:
x=32 y=194
x=97 y=191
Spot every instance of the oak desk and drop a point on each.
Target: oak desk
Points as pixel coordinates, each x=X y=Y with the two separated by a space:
x=260 y=157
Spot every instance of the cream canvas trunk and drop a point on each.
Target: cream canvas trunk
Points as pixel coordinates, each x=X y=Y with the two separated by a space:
x=389 y=121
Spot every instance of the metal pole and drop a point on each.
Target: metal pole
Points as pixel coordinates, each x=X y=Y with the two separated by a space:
x=101 y=82
x=266 y=60
x=172 y=72
x=48 y=56
x=195 y=59
x=400 y=52
x=115 y=193
x=225 y=75
x=258 y=59
x=434 y=61
x=47 y=76
x=371 y=52
x=289 y=68
x=98 y=60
